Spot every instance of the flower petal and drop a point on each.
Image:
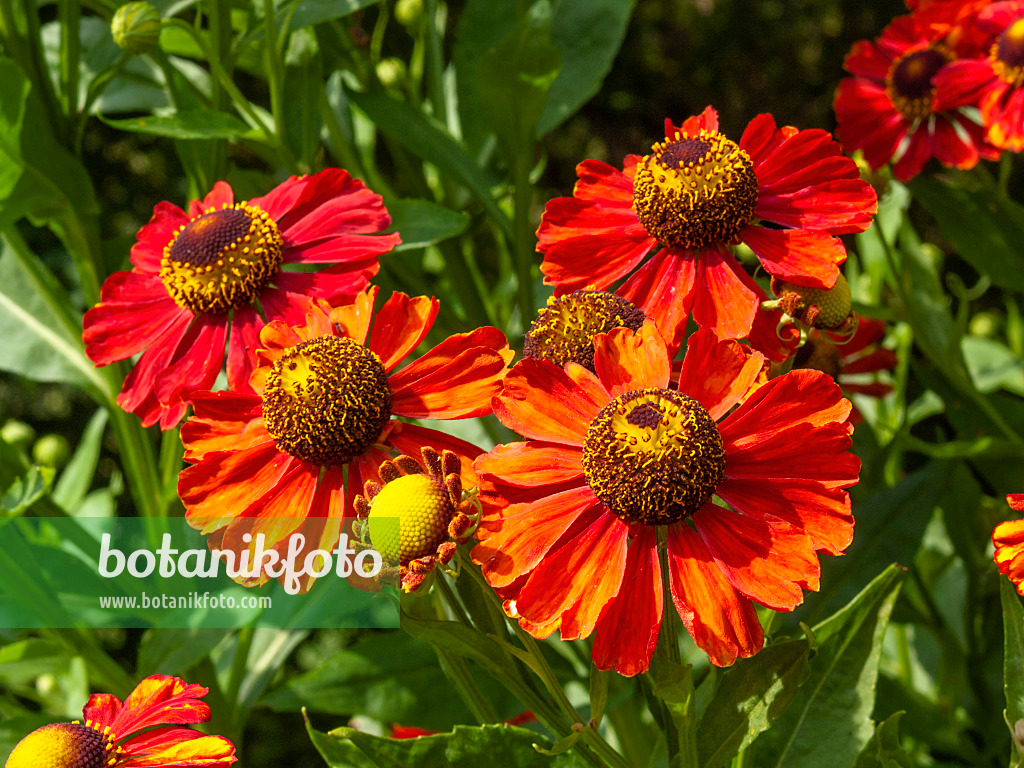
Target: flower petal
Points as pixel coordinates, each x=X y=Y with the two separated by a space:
x=400 y=325
x=664 y=289
x=223 y=421
x=798 y=256
x=246 y=325
x=134 y=312
x=626 y=361
x=717 y=374
x=724 y=297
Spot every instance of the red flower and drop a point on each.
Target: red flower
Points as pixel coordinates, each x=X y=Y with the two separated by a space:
x=615 y=465
x=694 y=195
x=196 y=276
x=141 y=731
x=886 y=109
x=1008 y=538
x=993 y=84
x=292 y=455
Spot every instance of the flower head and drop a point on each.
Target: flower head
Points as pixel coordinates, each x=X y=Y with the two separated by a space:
x=785 y=193
x=141 y=731
x=214 y=275
x=417 y=515
x=324 y=397
x=993 y=83
x=1008 y=538
x=887 y=108
x=616 y=464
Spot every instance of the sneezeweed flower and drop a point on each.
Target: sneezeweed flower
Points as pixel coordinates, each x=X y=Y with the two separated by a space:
x=785 y=193
x=616 y=465
x=1008 y=538
x=993 y=84
x=214 y=274
x=290 y=456
x=564 y=330
x=887 y=108
x=144 y=730
x=417 y=515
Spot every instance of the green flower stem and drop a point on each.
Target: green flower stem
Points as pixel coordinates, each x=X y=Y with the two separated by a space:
x=667 y=649
x=39 y=72
x=239 y=664
x=588 y=735
x=523 y=244
x=171 y=452
x=70 y=16
x=274 y=69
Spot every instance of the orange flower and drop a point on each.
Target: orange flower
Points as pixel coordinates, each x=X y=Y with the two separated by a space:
x=616 y=466
x=140 y=731
x=786 y=194
x=292 y=456
x=212 y=276
x=1008 y=538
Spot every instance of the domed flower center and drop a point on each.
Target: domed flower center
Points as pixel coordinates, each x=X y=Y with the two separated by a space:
x=326 y=400
x=222 y=259
x=64 y=745
x=564 y=331
x=693 y=191
x=654 y=456
x=909 y=82
x=409 y=518
x=1007 y=54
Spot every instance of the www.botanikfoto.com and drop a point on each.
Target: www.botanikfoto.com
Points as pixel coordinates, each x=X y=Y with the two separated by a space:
x=192 y=600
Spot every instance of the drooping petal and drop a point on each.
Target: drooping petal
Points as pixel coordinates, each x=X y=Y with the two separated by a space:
x=177 y=748
x=664 y=289
x=724 y=297
x=626 y=361
x=722 y=621
x=400 y=325
x=246 y=325
x=223 y=421
x=717 y=374
x=197 y=361
x=627 y=633
x=798 y=256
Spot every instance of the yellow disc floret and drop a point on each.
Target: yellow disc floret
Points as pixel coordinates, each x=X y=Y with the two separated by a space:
x=409 y=518
x=564 y=331
x=222 y=259
x=64 y=745
x=326 y=400
x=654 y=456
x=694 y=191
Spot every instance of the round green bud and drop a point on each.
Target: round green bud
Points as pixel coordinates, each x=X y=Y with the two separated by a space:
x=17 y=434
x=136 y=27
x=51 y=451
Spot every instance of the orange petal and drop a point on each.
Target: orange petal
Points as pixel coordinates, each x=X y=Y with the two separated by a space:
x=804 y=452
x=717 y=374
x=771 y=563
x=627 y=632
x=541 y=401
x=1016 y=501
x=722 y=621
x=353 y=320
x=223 y=421
x=531 y=464
x=400 y=325
x=626 y=361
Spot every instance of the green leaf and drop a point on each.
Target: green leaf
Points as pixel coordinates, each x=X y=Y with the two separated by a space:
x=303 y=85
x=406 y=125
x=884 y=750
x=187 y=124
x=26 y=491
x=985 y=227
x=76 y=479
x=1013 y=661
x=512 y=80
x=34 y=342
x=175 y=651
x=422 y=223
x=992 y=365
x=673 y=685
x=464 y=747
x=829 y=721
x=748 y=698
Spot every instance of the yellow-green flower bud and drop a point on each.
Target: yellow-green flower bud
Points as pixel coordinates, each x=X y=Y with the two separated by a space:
x=136 y=27
x=51 y=451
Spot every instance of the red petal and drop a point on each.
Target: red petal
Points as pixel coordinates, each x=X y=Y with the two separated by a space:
x=161 y=700
x=530 y=464
x=627 y=632
x=1008 y=538
x=410 y=438
x=543 y=402
x=134 y=312
x=197 y=362
x=140 y=383
x=156 y=235
x=663 y=289
x=400 y=325
x=178 y=748
x=449 y=383
x=722 y=622
x=798 y=256
x=337 y=282
x=1016 y=501
x=767 y=562
x=223 y=421
x=626 y=361
x=102 y=709
x=803 y=452
x=717 y=374
x=246 y=325
x=724 y=298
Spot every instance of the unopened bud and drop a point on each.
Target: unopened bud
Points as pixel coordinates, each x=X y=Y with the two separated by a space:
x=136 y=27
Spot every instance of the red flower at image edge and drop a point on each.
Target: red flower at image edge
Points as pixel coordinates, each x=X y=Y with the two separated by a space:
x=614 y=461
x=993 y=84
x=694 y=195
x=324 y=397
x=886 y=108
x=141 y=731
x=1008 y=538
x=196 y=276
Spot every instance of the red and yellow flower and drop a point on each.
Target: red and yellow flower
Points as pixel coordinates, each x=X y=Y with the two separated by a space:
x=291 y=455
x=886 y=109
x=616 y=465
x=212 y=276
x=993 y=84
x=1008 y=538
x=785 y=193
x=144 y=731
